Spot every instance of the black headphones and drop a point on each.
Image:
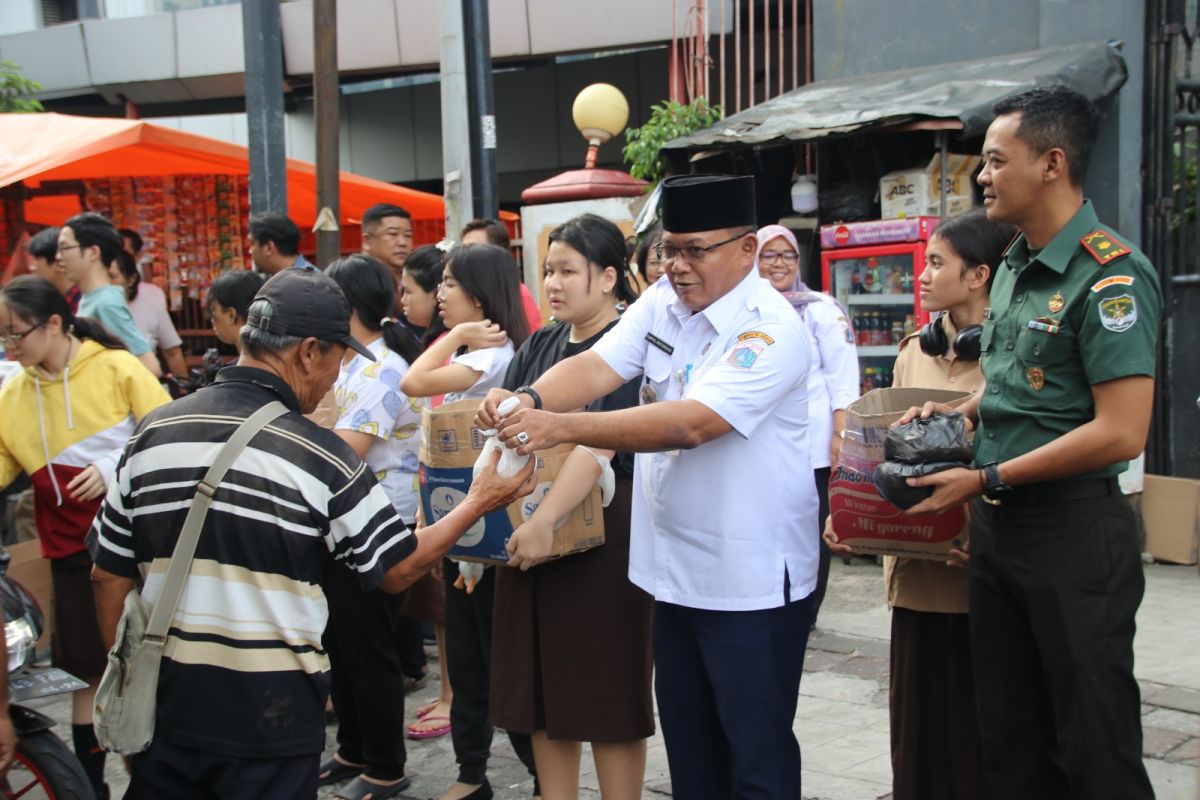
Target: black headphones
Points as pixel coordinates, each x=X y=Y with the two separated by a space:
x=967 y=344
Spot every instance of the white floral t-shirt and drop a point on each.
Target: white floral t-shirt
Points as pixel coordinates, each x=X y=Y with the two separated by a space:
x=369 y=400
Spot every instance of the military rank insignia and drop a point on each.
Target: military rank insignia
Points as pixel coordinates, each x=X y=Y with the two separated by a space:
x=1036 y=377
x=1118 y=314
x=1103 y=247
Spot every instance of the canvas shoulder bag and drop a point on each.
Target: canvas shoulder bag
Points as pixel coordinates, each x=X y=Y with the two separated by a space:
x=126 y=696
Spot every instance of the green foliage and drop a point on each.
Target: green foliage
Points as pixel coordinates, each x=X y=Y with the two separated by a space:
x=668 y=120
x=14 y=88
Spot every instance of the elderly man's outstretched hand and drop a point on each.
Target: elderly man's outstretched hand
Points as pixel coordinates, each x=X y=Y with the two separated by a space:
x=492 y=492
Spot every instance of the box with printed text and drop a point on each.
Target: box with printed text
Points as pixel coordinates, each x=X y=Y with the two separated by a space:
x=858 y=515
x=450 y=444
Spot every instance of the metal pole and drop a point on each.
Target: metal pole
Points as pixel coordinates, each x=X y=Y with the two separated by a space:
x=721 y=75
x=485 y=184
x=325 y=103
x=262 y=40
x=737 y=55
x=943 y=144
x=795 y=43
x=753 y=66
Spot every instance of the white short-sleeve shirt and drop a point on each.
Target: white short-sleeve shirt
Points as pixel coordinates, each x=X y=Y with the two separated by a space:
x=719 y=526
x=490 y=362
x=833 y=381
x=369 y=400
x=149 y=310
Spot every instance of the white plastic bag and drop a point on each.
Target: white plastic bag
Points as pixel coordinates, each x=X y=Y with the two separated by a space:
x=511 y=462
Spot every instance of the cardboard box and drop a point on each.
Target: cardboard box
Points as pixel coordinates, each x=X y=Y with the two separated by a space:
x=1171 y=511
x=858 y=515
x=450 y=444
x=27 y=567
x=914 y=192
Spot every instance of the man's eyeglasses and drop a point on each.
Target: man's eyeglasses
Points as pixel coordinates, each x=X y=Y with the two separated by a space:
x=63 y=248
x=15 y=339
x=691 y=253
x=772 y=257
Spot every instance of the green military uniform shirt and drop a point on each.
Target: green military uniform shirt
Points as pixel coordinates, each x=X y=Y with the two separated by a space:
x=1082 y=311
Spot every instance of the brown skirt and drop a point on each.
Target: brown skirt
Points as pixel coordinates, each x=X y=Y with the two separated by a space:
x=425 y=600
x=571 y=643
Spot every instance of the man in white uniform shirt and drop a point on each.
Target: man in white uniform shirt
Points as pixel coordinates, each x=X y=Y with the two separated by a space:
x=724 y=529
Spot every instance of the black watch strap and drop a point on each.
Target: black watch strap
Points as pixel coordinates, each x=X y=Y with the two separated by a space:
x=537 y=398
x=993 y=484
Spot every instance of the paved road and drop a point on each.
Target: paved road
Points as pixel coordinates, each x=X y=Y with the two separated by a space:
x=841 y=719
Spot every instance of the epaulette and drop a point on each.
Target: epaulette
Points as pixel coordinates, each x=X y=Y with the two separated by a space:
x=1103 y=247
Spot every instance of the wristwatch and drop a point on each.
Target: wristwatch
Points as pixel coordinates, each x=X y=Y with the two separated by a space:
x=994 y=488
x=537 y=398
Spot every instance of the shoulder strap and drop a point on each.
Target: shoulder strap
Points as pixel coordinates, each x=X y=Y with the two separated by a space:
x=185 y=547
x=1103 y=247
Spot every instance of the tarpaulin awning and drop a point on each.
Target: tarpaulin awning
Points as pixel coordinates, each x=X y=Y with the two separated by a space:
x=51 y=147
x=960 y=94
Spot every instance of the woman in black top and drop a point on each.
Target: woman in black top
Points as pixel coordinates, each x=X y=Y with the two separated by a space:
x=571 y=638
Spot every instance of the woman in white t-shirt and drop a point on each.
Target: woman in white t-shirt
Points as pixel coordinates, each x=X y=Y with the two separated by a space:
x=382 y=426
x=480 y=302
x=148 y=307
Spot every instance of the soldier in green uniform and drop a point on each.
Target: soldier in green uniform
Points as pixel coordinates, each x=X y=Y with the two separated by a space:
x=1055 y=574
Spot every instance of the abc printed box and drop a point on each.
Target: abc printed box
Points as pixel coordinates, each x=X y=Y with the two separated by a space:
x=450 y=445
x=914 y=192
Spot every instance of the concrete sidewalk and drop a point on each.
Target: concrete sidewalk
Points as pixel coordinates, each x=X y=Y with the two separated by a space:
x=842 y=719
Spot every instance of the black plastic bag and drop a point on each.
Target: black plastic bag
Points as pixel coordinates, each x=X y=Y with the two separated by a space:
x=890 y=480
x=942 y=437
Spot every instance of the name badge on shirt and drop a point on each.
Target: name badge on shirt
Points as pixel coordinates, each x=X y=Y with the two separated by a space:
x=660 y=344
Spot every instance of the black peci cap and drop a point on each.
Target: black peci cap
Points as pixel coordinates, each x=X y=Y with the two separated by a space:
x=306 y=302
x=692 y=203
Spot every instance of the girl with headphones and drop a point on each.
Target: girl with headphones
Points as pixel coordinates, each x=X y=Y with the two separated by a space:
x=932 y=696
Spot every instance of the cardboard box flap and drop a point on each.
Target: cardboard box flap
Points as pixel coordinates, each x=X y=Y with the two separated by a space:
x=449 y=435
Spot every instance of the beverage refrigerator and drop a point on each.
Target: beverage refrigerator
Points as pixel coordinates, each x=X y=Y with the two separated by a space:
x=872 y=269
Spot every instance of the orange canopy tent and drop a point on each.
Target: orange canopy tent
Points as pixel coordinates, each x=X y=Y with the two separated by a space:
x=49 y=147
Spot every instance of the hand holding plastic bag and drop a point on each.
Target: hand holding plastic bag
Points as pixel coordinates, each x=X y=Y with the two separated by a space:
x=511 y=462
x=939 y=438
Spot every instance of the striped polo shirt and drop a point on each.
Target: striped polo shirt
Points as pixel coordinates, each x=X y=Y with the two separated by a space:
x=244 y=673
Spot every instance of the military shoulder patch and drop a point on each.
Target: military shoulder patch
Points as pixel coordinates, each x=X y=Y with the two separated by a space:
x=1112 y=280
x=1118 y=314
x=1103 y=247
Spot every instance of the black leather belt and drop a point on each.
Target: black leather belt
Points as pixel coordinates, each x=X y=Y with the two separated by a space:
x=1057 y=492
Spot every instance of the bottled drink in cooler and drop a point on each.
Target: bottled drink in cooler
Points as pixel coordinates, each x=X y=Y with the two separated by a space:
x=897 y=330
x=910 y=324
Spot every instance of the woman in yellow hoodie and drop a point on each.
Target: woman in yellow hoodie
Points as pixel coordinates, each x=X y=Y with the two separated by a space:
x=67 y=417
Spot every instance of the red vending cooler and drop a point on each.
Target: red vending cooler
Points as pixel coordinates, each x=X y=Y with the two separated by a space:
x=872 y=269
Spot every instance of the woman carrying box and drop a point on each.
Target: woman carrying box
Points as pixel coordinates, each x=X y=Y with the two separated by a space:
x=935 y=736
x=571 y=644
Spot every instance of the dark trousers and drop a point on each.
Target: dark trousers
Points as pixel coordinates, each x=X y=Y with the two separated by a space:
x=1054 y=589
x=411 y=645
x=727 y=684
x=468 y=663
x=366 y=677
x=182 y=773
x=935 y=730
x=821 y=476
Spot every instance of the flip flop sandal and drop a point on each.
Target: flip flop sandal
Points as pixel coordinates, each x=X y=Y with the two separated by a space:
x=362 y=789
x=334 y=771
x=427 y=710
x=414 y=732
